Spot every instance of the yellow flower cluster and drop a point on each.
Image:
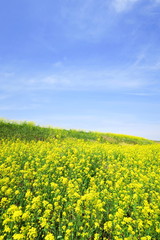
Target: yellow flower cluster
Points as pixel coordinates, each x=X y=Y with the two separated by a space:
x=74 y=189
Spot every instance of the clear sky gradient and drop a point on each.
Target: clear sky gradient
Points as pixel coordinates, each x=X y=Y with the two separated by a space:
x=82 y=64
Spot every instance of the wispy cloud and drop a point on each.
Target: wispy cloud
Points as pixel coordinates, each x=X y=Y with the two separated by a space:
x=131 y=77
x=88 y=80
x=116 y=79
x=14 y=107
x=6 y=74
x=88 y=19
x=124 y=5
x=57 y=64
x=4 y=96
x=157 y=1
x=152 y=67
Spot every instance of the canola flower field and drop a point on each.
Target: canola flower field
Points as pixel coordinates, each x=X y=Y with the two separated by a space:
x=78 y=189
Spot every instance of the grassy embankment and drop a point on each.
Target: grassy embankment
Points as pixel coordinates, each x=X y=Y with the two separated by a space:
x=29 y=131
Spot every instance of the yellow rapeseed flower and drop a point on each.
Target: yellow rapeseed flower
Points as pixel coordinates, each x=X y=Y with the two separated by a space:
x=18 y=236
x=49 y=236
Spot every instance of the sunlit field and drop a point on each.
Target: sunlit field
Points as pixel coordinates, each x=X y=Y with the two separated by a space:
x=77 y=187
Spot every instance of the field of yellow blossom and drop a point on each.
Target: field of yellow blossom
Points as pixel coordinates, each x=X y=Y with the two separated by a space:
x=76 y=189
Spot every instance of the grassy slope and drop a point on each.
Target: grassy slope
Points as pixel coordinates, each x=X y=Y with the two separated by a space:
x=29 y=131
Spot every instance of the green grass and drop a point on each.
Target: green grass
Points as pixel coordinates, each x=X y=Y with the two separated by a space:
x=30 y=131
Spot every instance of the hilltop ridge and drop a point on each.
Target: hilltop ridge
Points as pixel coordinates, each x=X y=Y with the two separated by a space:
x=30 y=131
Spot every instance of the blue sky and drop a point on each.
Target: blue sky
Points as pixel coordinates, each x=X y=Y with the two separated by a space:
x=82 y=64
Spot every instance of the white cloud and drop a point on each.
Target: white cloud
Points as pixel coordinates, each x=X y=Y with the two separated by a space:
x=123 y=5
x=55 y=80
x=90 y=80
x=130 y=78
x=6 y=74
x=58 y=64
x=11 y=107
x=87 y=19
x=139 y=59
x=142 y=94
x=152 y=67
x=50 y=80
x=4 y=96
